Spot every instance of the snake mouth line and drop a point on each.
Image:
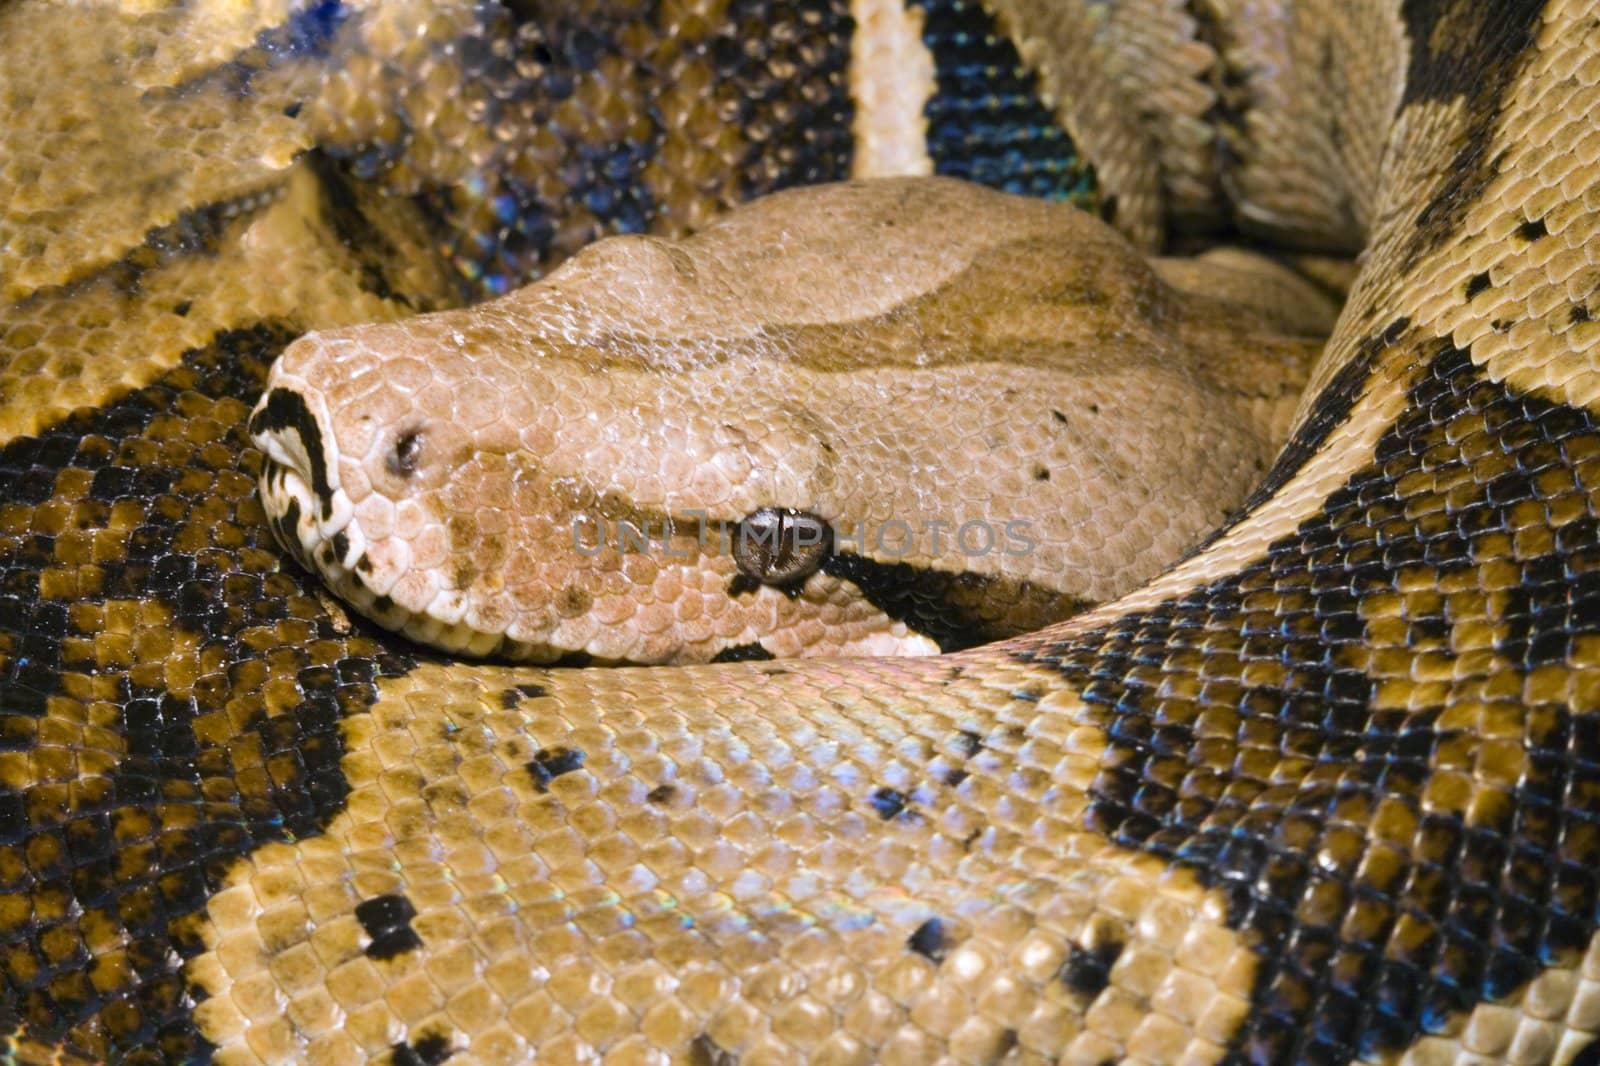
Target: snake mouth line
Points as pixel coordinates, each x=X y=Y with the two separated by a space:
x=309 y=511
x=311 y=516
x=314 y=520
x=293 y=505
x=336 y=551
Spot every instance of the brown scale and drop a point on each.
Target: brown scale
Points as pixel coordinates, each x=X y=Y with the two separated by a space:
x=1381 y=741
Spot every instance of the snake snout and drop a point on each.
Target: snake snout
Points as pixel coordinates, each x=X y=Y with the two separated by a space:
x=299 y=480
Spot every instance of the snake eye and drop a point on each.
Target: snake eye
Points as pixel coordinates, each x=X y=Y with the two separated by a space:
x=780 y=546
x=407 y=453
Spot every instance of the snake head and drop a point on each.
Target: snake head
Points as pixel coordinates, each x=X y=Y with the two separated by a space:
x=605 y=464
x=519 y=500
x=536 y=485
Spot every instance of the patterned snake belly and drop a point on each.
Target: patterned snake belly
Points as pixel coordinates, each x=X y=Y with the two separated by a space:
x=1326 y=790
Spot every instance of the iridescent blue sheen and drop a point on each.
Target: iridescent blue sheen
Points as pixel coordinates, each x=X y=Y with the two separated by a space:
x=986 y=121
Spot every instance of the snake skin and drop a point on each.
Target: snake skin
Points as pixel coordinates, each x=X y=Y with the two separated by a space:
x=1327 y=790
x=467 y=477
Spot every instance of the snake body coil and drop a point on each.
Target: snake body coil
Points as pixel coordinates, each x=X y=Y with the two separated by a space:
x=1326 y=790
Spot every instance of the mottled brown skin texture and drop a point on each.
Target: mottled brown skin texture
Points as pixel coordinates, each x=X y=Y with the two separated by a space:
x=1026 y=380
x=1326 y=790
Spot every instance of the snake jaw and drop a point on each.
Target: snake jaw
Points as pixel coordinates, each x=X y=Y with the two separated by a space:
x=314 y=517
x=288 y=501
x=308 y=510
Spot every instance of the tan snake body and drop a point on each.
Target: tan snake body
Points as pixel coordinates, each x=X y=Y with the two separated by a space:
x=1327 y=790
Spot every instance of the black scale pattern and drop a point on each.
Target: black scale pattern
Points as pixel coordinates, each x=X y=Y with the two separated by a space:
x=170 y=700
x=1380 y=742
x=590 y=140
x=986 y=122
x=580 y=97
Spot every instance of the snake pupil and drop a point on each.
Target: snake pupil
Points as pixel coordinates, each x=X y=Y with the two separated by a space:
x=407 y=453
x=781 y=546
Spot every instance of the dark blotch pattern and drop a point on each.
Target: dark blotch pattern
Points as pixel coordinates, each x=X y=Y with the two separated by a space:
x=516 y=694
x=1380 y=741
x=196 y=231
x=348 y=211
x=548 y=764
x=619 y=117
x=170 y=699
x=888 y=802
x=743 y=653
x=1337 y=399
x=387 y=920
x=929 y=940
x=430 y=1050
x=1087 y=971
x=1465 y=49
x=309 y=32
x=955 y=610
x=1469 y=52
x=704 y=1051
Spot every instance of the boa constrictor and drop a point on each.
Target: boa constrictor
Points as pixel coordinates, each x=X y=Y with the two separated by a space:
x=1326 y=790
x=821 y=421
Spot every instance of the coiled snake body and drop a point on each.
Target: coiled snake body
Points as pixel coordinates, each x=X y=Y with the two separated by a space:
x=1326 y=790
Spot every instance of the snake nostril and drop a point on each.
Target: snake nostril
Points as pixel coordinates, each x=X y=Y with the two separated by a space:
x=781 y=546
x=407 y=453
